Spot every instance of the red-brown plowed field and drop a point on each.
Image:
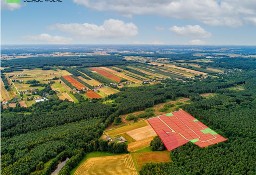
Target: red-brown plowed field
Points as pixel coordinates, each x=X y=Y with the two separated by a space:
x=74 y=82
x=92 y=94
x=180 y=127
x=106 y=74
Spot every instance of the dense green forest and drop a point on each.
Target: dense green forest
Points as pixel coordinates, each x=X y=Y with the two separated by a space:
x=34 y=139
x=42 y=62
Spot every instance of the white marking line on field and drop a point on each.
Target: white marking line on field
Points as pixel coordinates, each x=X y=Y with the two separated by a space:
x=187 y=127
x=197 y=135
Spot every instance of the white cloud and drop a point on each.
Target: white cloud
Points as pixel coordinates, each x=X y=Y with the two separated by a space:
x=111 y=28
x=190 y=31
x=47 y=39
x=9 y=6
x=196 y=42
x=212 y=12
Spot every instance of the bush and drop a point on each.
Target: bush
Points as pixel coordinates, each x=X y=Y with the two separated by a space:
x=157 y=144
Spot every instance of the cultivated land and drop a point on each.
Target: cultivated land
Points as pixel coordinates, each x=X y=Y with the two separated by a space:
x=131 y=74
x=74 y=82
x=108 y=90
x=143 y=158
x=4 y=93
x=122 y=75
x=63 y=91
x=91 y=82
x=106 y=74
x=111 y=165
x=177 y=128
x=91 y=94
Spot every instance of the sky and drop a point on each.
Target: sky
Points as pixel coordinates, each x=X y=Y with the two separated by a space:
x=168 y=22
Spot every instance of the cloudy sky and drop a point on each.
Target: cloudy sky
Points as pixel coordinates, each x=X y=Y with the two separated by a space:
x=175 y=22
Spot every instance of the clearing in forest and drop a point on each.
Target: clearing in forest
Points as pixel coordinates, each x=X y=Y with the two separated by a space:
x=111 y=165
x=177 y=128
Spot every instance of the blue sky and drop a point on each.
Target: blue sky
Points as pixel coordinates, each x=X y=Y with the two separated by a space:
x=176 y=22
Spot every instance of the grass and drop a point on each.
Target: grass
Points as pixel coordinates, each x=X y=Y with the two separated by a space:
x=127 y=137
x=143 y=150
x=63 y=88
x=120 y=130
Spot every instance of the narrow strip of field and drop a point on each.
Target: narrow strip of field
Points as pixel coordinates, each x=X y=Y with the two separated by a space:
x=74 y=82
x=181 y=68
x=177 y=128
x=121 y=75
x=148 y=72
x=91 y=82
x=4 y=93
x=106 y=74
x=131 y=74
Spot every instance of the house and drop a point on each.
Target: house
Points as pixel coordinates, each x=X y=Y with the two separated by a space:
x=41 y=100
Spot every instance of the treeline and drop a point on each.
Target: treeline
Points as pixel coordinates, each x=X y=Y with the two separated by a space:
x=42 y=119
x=5 y=81
x=43 y=62
x=231 y=63
x=97 y=145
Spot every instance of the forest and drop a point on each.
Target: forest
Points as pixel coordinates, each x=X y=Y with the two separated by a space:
x=35 y=139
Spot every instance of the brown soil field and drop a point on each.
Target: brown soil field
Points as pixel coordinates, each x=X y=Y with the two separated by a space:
x=23 y=104
x=142 y=133
x=151 y=157
x=74 y=82
x=92 y=94
x=108 y=165
x=106 y=74
x=121 y=75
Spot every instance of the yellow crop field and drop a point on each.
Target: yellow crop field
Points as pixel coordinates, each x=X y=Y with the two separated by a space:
x=111 y=165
